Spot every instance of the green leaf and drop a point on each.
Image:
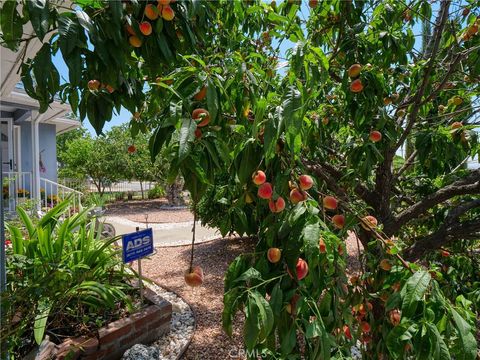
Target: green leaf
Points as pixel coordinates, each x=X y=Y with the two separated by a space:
x=292 y=116
x=440 y=349
x=43 y=310
x=265 y=315
x=276 y=300
x=157 y=140
x=466 y=345
x=231 y=302
x=212 y=100
x=413 y=291
x=187 y=135
x=250 y=274
x=11 y=24
x=38 y=12
x=251 y=328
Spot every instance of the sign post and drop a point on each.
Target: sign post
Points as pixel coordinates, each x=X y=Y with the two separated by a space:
x=136 y=246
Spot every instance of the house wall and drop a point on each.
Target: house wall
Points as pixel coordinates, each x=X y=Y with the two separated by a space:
x=47 y=145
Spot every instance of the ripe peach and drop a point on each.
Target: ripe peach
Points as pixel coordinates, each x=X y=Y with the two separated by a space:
x=151 y=12
x=297 y=196
x=277 y=206
x=356 y=86
x=145 y=28
x=109 y=88
x=131 y=149
x=456 y=125
x=354 y=70
x=472 y=30
x=375 y=136
x=201 y=116
x=198 y=133
x=305 y=182
x=395 y=316
x=313 y=3
x=259 y=177
x=346 y=331
x=200 y=96
x=163 y=2
x=168 y=13
x=194 y=277
x=339 y=221
x=329 y=202
x=301 y=269
x=135 y=41
x=322 y=247
x=93 y=85
x=365 y=326
x=274 y=255
x=444 y=253
x=387 y=101
x=265 y=191
x=325 y=121
x=369 y=222
x=385 y=265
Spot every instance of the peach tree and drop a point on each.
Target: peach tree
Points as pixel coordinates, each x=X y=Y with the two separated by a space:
x=304 y=125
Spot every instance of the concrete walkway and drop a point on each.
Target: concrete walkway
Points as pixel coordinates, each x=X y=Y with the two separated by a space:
x=166 y=234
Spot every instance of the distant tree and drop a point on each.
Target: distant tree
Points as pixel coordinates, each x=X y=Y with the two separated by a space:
x=96 y=158
x=62 y=146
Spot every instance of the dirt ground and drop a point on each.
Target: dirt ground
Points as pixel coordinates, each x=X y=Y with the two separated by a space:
x=157 y=211
x=167 y=267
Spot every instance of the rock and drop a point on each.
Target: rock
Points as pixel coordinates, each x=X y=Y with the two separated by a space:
x=141 y=352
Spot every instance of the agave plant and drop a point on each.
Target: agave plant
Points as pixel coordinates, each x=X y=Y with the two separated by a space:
x=59 y=270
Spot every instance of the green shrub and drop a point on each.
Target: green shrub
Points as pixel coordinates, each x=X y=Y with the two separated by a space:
x=61 y=279
x=156 y=192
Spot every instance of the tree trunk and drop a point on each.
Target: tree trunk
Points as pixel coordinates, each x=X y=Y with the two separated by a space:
x=174 y=193
x=141 y=189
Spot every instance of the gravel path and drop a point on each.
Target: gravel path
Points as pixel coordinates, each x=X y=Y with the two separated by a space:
x=157 y=210
x=167 y=267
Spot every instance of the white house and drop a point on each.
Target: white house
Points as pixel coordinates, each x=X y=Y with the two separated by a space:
x=28 y=138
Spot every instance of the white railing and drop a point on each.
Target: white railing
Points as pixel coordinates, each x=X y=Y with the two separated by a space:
x=51 y=193
x=17 y=187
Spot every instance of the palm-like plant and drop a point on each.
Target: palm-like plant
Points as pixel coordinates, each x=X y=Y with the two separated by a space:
x=59 y=270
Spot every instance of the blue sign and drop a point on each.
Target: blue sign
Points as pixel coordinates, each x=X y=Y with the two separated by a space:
x=137 y=245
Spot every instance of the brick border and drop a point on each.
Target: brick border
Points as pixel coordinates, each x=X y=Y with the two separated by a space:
x=112 y=340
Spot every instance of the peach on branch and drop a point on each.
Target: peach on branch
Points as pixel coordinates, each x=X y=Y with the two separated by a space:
x=168 y=13
x=135 y=41
x=356 y=86
x=330 y=203
x=369 y=222
x=131 y=149
x=265 y=191
x=201 y=94
x=457 y=100
x=194 y=277
x=297 y=196
x=301 y=269
x=305 y=182
x=354 y=70
x=375 y=136
x=321 y=246
x=93 y=85
x=274 y=255
x=145 y=28
x=259 y=177
x=339 y=221
x=444 y=253
x=201 y=116
x=163 y=2
x=346 y=332
x=276 y=206
x=151 y=12
x=130 y=29
x=365 y=326
x=395 y=316
x=313 y=3
x=385 y=265
x=456 y=125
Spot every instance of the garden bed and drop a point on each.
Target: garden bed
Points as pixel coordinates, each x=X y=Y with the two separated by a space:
x=111 y=341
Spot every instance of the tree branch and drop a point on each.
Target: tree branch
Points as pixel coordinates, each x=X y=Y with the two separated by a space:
x=406 y=165
x=468 y=230
x=468 y=185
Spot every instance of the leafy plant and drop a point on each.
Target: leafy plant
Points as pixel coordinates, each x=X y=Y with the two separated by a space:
x=58 y=272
